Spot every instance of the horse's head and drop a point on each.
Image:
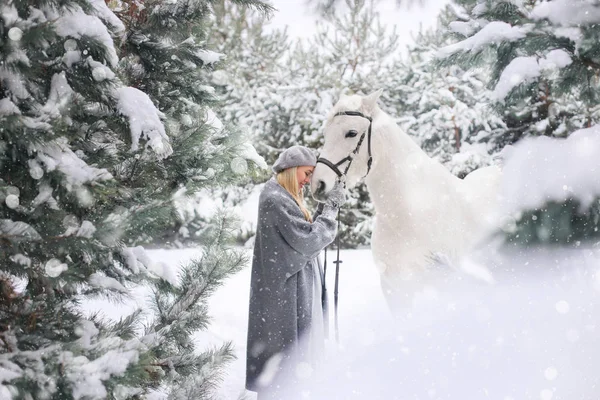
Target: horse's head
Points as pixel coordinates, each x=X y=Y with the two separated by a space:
x=346 y=147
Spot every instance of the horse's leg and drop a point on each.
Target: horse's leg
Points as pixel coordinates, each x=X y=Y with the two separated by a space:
x=405 y=289
x=397 y=291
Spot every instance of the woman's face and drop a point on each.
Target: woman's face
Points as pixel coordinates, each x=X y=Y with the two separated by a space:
x=303 y=174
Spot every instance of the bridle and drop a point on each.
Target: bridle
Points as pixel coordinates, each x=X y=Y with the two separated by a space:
x=350 y=157
x=335 y=168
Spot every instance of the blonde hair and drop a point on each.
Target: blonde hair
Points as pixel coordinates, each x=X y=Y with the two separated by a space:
x=287 y=178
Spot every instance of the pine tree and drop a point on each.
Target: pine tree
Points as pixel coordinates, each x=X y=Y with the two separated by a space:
x=165 y=48
x=95 y=141
x=253 y=70
x=445 y=109
x=553 y=202
x=542 y=57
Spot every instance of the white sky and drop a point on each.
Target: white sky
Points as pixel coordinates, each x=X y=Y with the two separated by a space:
x=301 y=22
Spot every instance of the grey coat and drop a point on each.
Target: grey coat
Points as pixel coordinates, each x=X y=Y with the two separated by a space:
x=285 y=252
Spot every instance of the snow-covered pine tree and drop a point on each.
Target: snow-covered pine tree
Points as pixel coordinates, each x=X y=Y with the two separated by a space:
x=553 y=201
x=545 y=75
x=245 y=82
x=249 y=79
x=165 y=54
x=446 y=109
x=327 y=7
x=542 y=56
x=87 y=165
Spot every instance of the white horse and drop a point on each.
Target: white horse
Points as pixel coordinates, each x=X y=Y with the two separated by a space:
x=422 y=211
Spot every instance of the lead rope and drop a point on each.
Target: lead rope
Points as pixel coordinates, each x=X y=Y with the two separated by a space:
x=337 y=263
x=337 y=280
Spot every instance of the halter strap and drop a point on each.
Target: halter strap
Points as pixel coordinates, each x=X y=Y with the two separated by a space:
x=350 y=157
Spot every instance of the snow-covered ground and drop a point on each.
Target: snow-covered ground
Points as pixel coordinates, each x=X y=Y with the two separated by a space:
x=532 y=334
x=359 y=291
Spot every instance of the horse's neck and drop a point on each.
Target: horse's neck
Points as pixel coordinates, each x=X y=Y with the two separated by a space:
x=399 y=165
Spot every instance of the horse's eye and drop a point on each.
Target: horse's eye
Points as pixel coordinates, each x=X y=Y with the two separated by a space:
x=351 y=133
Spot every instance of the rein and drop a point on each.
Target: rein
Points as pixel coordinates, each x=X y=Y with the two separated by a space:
x=335 y=168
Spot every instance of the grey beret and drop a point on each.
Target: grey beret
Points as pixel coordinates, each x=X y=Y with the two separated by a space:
x=295 y=156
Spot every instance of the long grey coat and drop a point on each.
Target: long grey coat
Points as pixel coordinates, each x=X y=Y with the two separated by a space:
x=281 y=292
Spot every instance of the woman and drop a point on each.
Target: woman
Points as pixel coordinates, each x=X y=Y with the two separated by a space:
x=285 y=315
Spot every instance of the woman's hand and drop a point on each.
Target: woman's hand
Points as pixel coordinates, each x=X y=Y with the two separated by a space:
x=337 y=196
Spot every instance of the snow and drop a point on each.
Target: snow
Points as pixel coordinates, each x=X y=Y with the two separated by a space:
x=17 y=56
x=78 y=24
x=100 y=71
x=238 y=165
x=15 y=33
x=8 y=371
x=209 y=57
x=100 y=281
x=18 y=228
x=461 y=27
x=71 y=57
x=555 y=59
x=54 y=267
x=543 y=169
x=86 y=375
x=35 y=169
x=107 y=15
x=13 y=82
x=59 y=96
x=568 y=12
x=462 y=338
x=138 y=259
x=249 y=153
x=524 y=69
x=494 y=32
x=573 y=34
x=86 y=331
x=212 y=120
x=7 y=107
x=12 y=201
x=9 y=14
x=86 y=230
x=21 y=259
x=144 y=120
x=480 y=8
x=57 y=155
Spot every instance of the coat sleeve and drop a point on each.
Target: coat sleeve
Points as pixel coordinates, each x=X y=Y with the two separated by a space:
x=303 y=236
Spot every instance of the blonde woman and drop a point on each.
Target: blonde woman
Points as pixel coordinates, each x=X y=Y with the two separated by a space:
x=285 y=315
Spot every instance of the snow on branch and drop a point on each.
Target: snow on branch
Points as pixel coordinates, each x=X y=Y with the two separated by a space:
x=542 y=169
x=87 y=376
x=17 y=228
x=105 y=282
x=463 y=28
x=248 y=151
x=209 y=57
x=137 y=260
x=523 y=69
x=568 y=12
x=494 y=32
x=211 y=119
x=57 y=155
x=107 y=15
x=7 y=107
x=144 y=120
x=78 y=24
x=60 y=95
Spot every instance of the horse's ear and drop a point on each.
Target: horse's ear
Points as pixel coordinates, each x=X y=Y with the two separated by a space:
x=370 y=100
